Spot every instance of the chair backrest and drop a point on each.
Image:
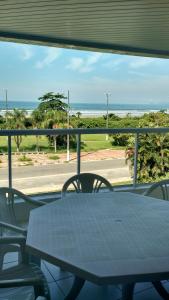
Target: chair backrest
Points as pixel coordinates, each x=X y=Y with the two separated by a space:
x=7 y=213
x=159 y=190
x=86 y=183
x=27 y=280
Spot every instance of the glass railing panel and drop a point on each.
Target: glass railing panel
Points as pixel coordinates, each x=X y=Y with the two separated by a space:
x=38 y=159
x=100 y=154
x=41 y=166
x=3 y=161
x=153 y=157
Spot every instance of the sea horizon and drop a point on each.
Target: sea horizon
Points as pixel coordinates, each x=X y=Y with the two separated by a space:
x=94 y=109
x=32 y=104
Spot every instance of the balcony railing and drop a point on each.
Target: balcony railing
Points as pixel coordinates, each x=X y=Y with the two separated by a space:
x=78 y=132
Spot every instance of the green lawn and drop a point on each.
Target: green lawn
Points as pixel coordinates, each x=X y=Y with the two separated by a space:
x=90 y=142
x=28 y=144
x=94 y=142
x=93 y=137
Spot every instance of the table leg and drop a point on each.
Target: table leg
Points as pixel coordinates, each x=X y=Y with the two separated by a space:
x=161 y=290
x=76 y=288
x=127 y=291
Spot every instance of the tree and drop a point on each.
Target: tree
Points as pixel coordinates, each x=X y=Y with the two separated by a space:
x=51 y=101
x=16 y=120
x=78 y=114
x=54 y=112
x=153 y=149
x=53 y=120
x=37 y=119
x=153 y=162
x=112 y=116
x=2 y=122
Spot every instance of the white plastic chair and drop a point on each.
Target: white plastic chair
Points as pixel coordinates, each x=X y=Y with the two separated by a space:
x=9 y=212
x=24 y=280
x=8 y=207
x=159 y=190
x=86 y=183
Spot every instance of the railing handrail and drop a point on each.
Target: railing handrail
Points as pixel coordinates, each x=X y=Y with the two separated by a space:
x=62 y=131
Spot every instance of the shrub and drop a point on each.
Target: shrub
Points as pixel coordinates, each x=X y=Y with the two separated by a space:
x=153 y=149
x=24 y=158
x=120 y=139
x=54 y=157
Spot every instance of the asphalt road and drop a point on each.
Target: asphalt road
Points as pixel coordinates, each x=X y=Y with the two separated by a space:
x=51 y=177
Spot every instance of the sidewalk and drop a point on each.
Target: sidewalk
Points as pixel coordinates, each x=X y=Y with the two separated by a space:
x=37 y=159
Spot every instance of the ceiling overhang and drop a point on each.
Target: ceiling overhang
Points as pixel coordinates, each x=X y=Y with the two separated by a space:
x=136 y=27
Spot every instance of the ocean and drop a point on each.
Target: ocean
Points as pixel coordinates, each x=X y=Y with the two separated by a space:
x=94 y=109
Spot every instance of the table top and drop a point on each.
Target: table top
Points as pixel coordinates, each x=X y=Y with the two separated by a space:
x=106 y=238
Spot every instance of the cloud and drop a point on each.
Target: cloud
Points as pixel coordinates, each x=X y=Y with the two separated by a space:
x=115 y=63
x=51 y=55
x=138 y=73
x=84 y=65
x=140 y=62
x=26 y=52
x=131 y=62
x=76 y=64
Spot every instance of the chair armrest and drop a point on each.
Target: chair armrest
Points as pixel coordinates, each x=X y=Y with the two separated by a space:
x=28 y=199
x=146 y=193
x=13 y=240
x=36 y=203
x=19 y=282
x=13 y=228
x=20 y=241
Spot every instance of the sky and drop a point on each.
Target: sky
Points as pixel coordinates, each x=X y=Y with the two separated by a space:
x=28 y=72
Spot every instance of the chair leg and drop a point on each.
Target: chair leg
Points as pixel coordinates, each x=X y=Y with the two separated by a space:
x=127 y=291
x=39 y=290
x=161 y=290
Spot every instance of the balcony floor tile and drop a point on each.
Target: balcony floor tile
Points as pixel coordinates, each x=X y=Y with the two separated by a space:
x=55 y=291
x=47 y=273
x=56 y=272
x=147 y=294
x=63 y=282
x=60 y=283
x=91 y=291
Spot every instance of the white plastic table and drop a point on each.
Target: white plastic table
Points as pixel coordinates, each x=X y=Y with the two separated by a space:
x=106 y=238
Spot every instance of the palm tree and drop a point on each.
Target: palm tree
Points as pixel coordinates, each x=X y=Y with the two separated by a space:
x=37 y=119
x=153 y=150
x=16 y=120
x=55 y=119
x=78 y=114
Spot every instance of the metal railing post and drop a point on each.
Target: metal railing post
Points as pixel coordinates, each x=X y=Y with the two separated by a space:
x=9 y=162
x=78 y=153
x=135 y=159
